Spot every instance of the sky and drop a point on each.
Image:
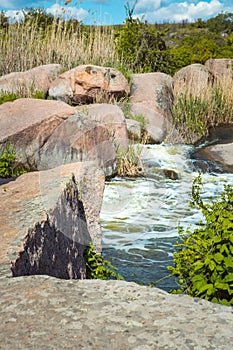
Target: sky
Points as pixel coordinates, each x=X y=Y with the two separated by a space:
x=113 y=11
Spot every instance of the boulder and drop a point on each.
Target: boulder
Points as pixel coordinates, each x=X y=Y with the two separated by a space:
x=222 y=154
x=152 y=96
x=111 y=117
x=53 y=216
x=40 y=312
x=192 y=80
x=87 y=84
x=222 y=69
x=80 y=139
x=38 y=78
x=48 y=133
x=28 y=124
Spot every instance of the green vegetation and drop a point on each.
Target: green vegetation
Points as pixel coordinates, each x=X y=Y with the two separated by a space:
x=11 y=96
x=9 y=167
x=204 y=260
x=194 y=115
x=98 y=267
x=7 y=97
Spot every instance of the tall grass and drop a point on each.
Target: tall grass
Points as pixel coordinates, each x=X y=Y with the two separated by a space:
x=27 y=45
x=195 y=115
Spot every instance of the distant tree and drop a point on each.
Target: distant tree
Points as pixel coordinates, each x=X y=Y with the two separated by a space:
x=223 y=22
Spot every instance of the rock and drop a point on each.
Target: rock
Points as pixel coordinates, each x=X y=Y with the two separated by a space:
x=222 y=69
x=222 y=154
x=193 y=79
x=152 y=96
x=134 y=130
x=38 y=78
x=48 y=133
x=40 y=312
x=111 y=117
x=53 y=216
x=80 y=139
x=28 y=124
x=87 y=84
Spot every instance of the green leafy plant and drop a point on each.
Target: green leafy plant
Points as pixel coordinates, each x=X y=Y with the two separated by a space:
x=7 y=97
x=204 y=261
x=9 y=167
x=98 y=267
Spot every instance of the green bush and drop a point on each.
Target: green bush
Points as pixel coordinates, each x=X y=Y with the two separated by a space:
x=141 y=47
x=8 y=164
x=98 y=267
x=7 y=97
x=204 y=261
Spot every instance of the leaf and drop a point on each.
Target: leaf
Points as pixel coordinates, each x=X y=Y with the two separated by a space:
x=228 y=278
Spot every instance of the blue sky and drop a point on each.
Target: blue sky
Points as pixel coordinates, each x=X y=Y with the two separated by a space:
x=113 y=11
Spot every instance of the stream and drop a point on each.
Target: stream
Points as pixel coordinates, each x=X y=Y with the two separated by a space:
x=140 y=216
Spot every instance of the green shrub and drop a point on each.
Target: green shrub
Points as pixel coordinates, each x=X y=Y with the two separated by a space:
x=8 y=164
x=194 y=115
x=204 y=261
x=140 y=46
x=98 y=267
x=7 y=97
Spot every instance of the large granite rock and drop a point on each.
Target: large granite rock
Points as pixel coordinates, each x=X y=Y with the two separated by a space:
x=193 y=80
x=28 y=124
x=221 y=68
x=87 y=84
x=39 y=312
x=38 y=78
x=80 y=139
x=49 y=133
x=111 y=117
x=48 y=218
x=152 y=96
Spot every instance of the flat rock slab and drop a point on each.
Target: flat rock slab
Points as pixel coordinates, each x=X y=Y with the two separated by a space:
x=48 y=218
x=40 y=312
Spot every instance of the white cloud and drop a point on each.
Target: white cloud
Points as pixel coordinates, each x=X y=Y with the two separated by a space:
x=190 y=10
x=68 y=12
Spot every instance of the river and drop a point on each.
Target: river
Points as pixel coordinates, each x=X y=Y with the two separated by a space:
x=140 y=216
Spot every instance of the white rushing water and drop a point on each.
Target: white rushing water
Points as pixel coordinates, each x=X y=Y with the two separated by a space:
x=140 y=216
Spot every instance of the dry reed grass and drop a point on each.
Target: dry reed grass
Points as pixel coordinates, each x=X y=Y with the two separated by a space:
x=24 y=46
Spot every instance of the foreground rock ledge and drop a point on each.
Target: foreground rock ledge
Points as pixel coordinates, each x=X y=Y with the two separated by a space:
x=40 y=312
x=48 y=218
